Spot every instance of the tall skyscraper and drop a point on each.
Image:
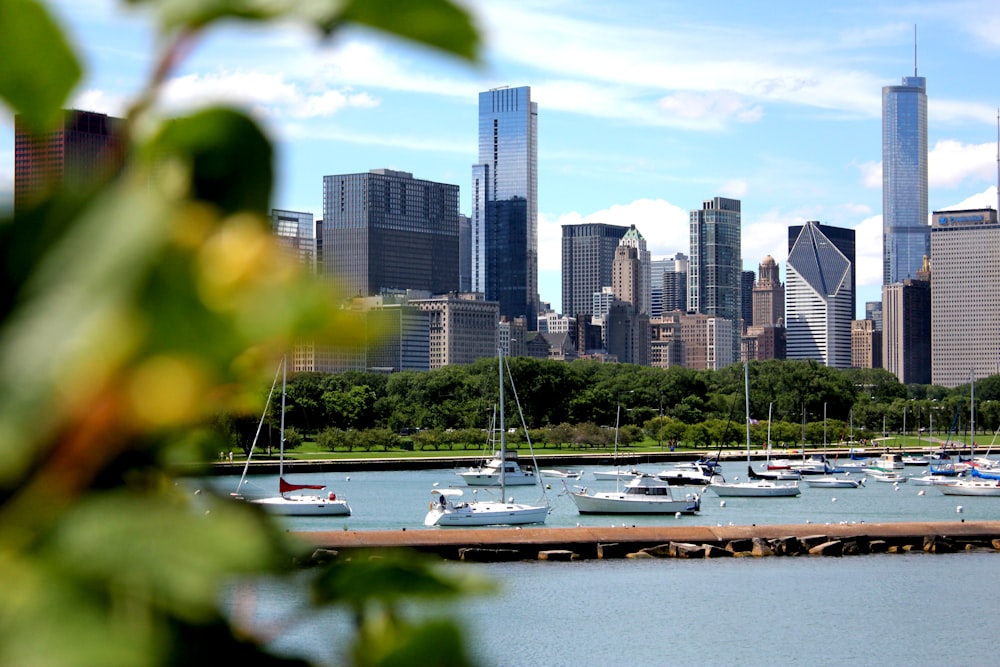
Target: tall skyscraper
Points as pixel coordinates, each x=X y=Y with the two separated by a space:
x=716 y=264
x=588 y=251
x=84 y=148
x=385 y=231
x=505 y=203
x=820 y=280
x=464 y=253
x=634 y=239
x=905 y=233
x=965 y=296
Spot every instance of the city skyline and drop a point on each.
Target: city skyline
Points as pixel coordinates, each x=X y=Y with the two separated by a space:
x=638 y=121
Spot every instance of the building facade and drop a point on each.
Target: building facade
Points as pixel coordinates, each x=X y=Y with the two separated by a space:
x=668 y=284
x=386 y=231
x=716 y=263
x=505 y=203
x=906 y=330
x=905 y=234
x=588 y=251
x=820 y=294
x=965 y=295
x=296 y=231
x=866 y=344
x=463 y=328
x=768 y=296
x=84 y=148
x=642 y=300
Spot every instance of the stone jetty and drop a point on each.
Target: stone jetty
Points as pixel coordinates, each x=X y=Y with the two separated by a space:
x=564 y=544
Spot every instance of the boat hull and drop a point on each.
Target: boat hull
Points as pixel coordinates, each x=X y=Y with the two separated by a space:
x=755 y=490
x=475 y=478
x=833 y=483
x=971 y=488
x=303 y=506
x=620 y=503
x=486 y=514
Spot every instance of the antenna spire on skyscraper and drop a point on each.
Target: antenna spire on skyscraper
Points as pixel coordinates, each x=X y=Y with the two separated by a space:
x=914 y=49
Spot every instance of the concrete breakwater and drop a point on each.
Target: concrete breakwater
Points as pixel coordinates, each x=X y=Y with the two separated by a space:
x=504 y=544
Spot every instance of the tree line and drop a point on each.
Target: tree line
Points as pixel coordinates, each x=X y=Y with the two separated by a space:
x=577 y=402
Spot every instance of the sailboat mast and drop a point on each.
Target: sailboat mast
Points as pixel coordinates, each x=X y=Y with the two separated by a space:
x=746 y=388
x=281 y=432
x=503 y=433
x=972 y=412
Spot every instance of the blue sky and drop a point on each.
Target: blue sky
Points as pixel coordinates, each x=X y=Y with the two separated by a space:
x=645 y=108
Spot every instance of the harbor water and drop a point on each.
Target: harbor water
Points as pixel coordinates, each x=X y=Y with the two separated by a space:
x=889 y=609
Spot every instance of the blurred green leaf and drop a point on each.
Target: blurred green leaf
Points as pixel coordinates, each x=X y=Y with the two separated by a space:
x=230 y=158
x=435 y=642
x=438 y=23
x=387 y=577
x=37 y=67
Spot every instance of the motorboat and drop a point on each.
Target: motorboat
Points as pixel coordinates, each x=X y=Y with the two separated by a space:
x=816 y=464
x=914 y=460
x=561 y=473
x=777 y=474
x=834 y=482
x=691 y=474
x=932 y=480
x=446 y=508
x=490 y=472
x=887 y=463
x=614 y=475
x=890 y=477
x=645 y=494
x=290 y=500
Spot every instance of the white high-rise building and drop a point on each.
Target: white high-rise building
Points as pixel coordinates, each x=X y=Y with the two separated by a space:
x=819 y=279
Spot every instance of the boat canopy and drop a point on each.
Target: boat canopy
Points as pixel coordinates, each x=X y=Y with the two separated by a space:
x=454 y=493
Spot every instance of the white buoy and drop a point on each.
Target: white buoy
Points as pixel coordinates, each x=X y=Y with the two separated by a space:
x=435 y=484
x=722 y=503
x=833 y=500
x=348 y=479
x=959 y=509
x=677 y=516
x=921 y=492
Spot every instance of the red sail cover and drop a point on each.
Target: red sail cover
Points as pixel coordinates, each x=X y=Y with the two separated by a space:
x=285 y=487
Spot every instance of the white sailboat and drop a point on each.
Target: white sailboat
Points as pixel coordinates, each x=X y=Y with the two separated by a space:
x=448 y=509
x=979 y=483
x=755 y=488
x=500 y=464
x=289 y=502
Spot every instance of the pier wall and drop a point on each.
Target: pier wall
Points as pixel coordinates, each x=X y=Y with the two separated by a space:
x=618 y=542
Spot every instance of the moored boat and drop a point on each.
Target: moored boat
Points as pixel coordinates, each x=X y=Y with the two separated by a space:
x=645 y=494
x=834 y=482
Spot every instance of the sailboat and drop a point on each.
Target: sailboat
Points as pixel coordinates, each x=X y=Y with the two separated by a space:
x=979 y=483
x=755 y=488
x=643 y=494
x=289 y=502
x=489 y=473
x=448 y=509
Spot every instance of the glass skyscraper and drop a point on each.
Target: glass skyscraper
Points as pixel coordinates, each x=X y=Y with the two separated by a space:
x=905 y=230
x=505 y=203
x=716 y=264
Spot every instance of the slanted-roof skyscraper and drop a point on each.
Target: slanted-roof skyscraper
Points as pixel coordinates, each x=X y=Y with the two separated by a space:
x=820 y=279
x=905 y=229
x=505 y=203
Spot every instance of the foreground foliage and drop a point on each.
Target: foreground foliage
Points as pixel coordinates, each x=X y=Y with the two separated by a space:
x=136 y=308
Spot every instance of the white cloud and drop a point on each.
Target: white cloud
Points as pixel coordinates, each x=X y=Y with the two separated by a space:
x=985 y=199
x=950 y=163
x=735 y=189
x=871 y=174
x=100 y=101
x=868 y=252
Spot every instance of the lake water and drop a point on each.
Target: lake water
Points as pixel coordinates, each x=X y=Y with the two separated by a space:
x=912 y=609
